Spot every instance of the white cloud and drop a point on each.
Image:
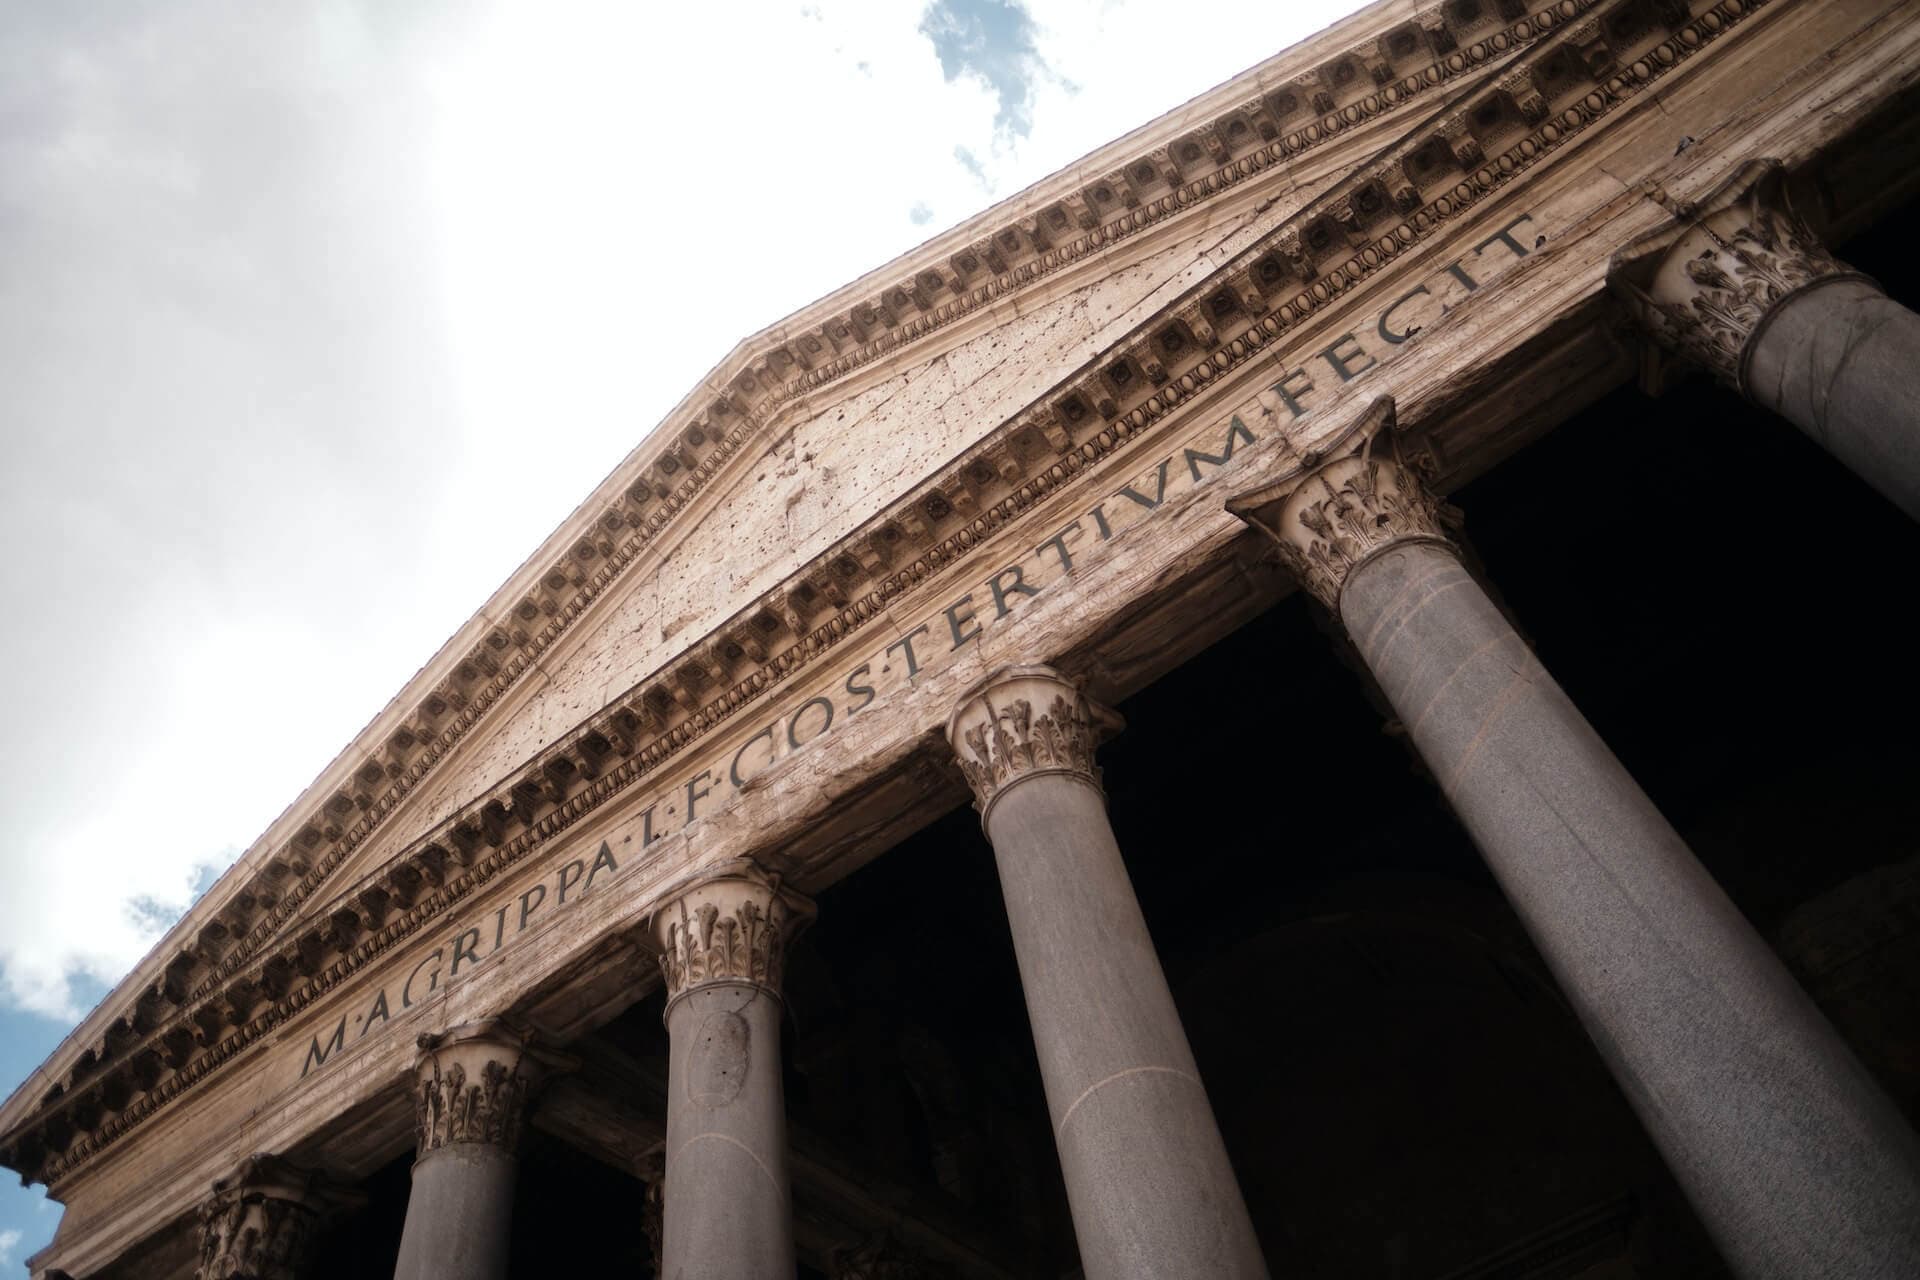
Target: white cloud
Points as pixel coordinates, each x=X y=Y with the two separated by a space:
x=315 y=319
x=9 y=1241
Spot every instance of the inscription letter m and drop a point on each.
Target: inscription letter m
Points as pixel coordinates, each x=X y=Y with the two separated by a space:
x=317 y=1052
x=1236 y=430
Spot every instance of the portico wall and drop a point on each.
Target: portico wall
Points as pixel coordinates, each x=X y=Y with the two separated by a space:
x=1508 y=290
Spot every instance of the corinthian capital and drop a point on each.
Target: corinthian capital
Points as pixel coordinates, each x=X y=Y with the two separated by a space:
x=1706 y=286
x=1021 y=722
x=261 y=1221
x=1334 y=516
x=474 y=1083
x=732 y=926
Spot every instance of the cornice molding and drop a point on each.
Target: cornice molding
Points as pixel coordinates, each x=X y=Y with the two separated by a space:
x=603 y=756
x=506 y=650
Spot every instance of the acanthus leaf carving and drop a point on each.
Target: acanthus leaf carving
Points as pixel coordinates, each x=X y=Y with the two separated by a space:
x=1331 y=517
x=729 y=927
x=474 y=1084
x=1707 y=293
x=261 y=1222
x=999 y=738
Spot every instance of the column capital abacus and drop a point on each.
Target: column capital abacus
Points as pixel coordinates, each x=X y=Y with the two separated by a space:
x=1706 y=285
x=1330 y=517
x=474 y=1082
x=729 y=926
x=1025 y=721
x=260 y=1221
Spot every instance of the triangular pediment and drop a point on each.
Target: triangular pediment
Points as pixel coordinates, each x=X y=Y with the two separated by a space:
x=797 y=489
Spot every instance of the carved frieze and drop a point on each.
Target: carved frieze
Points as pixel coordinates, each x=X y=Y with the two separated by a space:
x=474 y=1084
x=731 y=926
x=1332 y=517
x=262 y=1221
x=1707 y=290
x=1023 y=721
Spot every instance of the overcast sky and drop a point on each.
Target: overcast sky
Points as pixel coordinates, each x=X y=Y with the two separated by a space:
x=315 y=318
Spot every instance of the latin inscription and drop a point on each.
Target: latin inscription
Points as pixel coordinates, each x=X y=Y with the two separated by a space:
x=942 y=632
x=465 y=950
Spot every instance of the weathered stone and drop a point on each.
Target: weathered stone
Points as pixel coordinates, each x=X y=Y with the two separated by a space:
x=1747 y=290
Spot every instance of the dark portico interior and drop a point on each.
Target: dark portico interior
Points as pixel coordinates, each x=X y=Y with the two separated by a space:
x=1403 y=1092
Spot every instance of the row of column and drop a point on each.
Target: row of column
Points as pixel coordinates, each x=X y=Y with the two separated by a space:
x=1796 y=1162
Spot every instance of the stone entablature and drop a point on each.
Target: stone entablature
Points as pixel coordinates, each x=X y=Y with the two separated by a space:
x=1215 y=330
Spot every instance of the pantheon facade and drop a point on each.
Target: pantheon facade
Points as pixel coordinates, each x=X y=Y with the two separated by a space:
x=1325 y=692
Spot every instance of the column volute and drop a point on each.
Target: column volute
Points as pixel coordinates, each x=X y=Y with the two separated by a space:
x=1329 y=517
x=729 y=926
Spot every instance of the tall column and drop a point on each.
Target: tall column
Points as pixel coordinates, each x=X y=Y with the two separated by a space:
x=1749 y=292
x=1148 y=1180
x=1796 y=1162
x=262 y=1221
x=722 y=941
x=471 y=1097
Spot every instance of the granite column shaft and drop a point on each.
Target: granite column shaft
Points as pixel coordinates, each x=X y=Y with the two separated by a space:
x=1148 y=1180
x=472 y=1095
x=1841 y=361
x=728 y=1212
x=1745 y=289
x=1795 y=1160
